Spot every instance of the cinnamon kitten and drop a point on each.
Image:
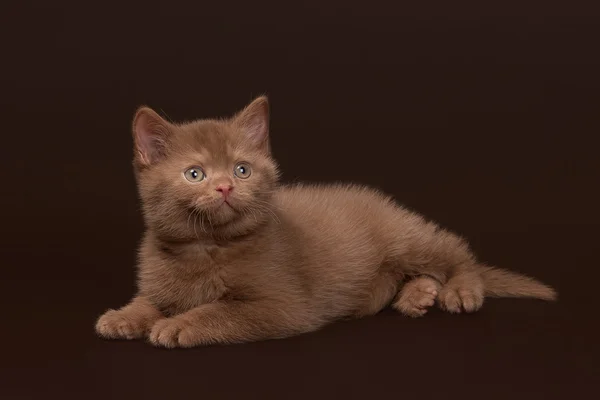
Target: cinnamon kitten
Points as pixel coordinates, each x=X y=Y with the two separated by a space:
x=230 y=256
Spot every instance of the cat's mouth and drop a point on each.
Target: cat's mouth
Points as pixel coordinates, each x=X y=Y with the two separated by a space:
x=222 y=201
x=225 y=203
x=216 y=208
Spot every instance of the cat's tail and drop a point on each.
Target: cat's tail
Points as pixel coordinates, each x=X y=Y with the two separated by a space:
x=503 y=283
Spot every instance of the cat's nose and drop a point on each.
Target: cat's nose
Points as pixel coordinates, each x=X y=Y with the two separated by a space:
x=225 y=190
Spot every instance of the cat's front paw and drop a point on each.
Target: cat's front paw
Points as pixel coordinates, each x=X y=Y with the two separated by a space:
x=174 y=332
x=117 y=324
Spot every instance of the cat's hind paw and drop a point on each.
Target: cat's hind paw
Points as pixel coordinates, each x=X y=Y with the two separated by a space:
x=417 y=296
x=455 y=300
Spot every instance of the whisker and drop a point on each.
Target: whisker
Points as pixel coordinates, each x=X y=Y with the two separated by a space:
x=209 y=221
x=195 y=223
x=187 y=225
x=265 y=206
x=202 y=223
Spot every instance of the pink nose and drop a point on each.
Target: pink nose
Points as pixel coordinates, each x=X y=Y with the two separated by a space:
x=225 y=190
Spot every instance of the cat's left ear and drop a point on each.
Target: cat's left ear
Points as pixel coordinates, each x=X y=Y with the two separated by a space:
x=253 y=121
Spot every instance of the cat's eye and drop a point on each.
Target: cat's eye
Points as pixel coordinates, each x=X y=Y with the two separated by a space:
x=194 y=174
x=242 y=170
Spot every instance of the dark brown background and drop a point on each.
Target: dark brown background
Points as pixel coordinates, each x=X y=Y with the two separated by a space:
x=483 y=117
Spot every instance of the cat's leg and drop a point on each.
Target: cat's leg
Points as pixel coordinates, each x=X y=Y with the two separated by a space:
x=132 y=321
x=463 y=291
x=416 y=296
x=427 y=249
x=230 y=322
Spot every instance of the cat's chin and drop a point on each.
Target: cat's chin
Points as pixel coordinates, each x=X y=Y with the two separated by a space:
x=221 y=213
x=224 y=214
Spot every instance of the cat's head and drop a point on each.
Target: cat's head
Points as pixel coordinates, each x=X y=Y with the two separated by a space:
x=207 y=177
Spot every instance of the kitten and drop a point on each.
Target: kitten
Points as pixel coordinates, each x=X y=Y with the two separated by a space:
x=231 y=256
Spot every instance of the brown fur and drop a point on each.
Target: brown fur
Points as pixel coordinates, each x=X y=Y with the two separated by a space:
x=279 y=260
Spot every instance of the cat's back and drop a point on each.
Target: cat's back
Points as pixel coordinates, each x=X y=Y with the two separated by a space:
x=334 y=206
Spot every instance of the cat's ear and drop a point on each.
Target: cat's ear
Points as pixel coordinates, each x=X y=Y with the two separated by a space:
x=150 y=136
x=253 y=121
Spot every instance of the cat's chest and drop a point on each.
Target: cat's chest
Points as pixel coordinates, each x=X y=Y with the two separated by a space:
x=191 y=279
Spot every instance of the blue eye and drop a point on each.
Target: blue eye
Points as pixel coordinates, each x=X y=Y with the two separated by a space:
x=242 y=170
x=194 y=174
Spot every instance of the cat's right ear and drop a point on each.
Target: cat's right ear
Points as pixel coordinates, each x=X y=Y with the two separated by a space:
x=150 y=136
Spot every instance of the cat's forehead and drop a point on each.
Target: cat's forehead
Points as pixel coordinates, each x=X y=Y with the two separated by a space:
x=214 y=139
